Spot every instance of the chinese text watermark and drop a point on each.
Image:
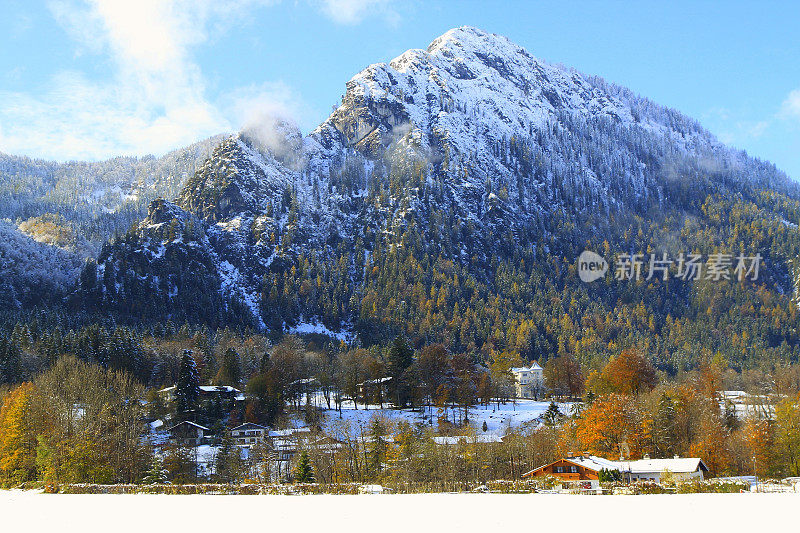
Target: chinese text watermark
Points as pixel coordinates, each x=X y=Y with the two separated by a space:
x=687 y=267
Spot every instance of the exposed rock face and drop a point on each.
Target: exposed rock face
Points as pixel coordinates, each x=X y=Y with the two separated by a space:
x=473 y=131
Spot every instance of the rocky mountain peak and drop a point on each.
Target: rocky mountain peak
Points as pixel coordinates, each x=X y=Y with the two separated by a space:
x=471 y=150
x=454 y=101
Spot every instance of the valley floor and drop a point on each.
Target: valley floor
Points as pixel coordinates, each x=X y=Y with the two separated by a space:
x=498 y=418
x=32 y=511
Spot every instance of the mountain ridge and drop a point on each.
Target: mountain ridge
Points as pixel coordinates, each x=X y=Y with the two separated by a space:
x=458 y=161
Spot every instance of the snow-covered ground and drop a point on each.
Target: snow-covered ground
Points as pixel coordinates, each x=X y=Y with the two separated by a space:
x=499 y=419
x=30 y=511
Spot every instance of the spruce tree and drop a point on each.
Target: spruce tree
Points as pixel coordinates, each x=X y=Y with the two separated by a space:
x=230 y=369
x=665 y=429
x=187 y=390
x=228 y=460
x=401 y=357
x=553 y=415
x=10 y=361
x=156 y=474
x=377 y=447
x=304 y=473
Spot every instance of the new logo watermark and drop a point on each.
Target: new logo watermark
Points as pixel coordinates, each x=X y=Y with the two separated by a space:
x=591 y=266
x=688 y=267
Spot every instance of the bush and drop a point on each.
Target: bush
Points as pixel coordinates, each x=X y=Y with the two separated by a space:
x=697 y=486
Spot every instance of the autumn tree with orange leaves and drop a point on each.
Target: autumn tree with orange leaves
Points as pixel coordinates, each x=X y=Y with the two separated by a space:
x=613 y=425
x=628 y=373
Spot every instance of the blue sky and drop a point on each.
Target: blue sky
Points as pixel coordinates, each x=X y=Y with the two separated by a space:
x=89 y=79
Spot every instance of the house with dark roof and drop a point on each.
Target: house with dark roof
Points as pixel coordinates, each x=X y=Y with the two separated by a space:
x=188 y=433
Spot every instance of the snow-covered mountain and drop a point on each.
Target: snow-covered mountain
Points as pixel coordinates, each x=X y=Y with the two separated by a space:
x=471 y=150
x=73 y=208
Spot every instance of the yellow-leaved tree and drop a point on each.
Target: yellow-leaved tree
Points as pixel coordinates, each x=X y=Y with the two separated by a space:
x=17 y=444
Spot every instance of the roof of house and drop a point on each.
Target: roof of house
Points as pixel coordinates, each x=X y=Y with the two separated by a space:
x=470 y=439
x=376 y=381
x=534 y=366
x=640 y=466
x=190 y=424
x=592 y=462
x=219 y=388
x=677 y=465
x=304 y=381
x=249 y=425
x=207 y=388
x=288 y=432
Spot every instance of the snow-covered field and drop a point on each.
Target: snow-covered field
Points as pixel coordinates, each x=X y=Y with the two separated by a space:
x=30 y=511
x=498 y=419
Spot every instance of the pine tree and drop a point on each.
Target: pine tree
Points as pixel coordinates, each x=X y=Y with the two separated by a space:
x=304 y=473
x=156 y=474
x=230 y=369
x=665 y=430
x=401 y=357
x=187 y=390
x=228 y=460
x=10 y=360
x=377 y=445
x=553 y=415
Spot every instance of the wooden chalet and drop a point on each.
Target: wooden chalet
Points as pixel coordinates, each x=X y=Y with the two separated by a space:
x=188 y=434
x=583 y=472
x=575 y=472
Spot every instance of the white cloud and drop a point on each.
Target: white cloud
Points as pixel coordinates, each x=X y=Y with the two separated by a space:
x=791 y=106
x=155 y=98
x=740 y=132
x=354 y=11
x=247 y=105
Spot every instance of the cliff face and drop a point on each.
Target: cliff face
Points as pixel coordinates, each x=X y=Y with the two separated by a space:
x=472 y=150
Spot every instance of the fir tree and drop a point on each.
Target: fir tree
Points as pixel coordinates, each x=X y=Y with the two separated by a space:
x=156 y=474
x=401 y=357
x=10 y=361
x=187 y=390
x=606 y=475
x=230 y=369
x=377 y=445
x=553 y=415
x=665 y=427
x=304 y=473
x=228 y=460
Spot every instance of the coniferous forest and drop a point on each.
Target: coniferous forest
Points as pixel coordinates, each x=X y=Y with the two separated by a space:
x=403 y=258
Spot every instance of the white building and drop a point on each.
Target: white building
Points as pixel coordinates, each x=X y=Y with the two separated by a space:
x=678 y=468
x=528 y=381
x=248 y=434
x=468 y=439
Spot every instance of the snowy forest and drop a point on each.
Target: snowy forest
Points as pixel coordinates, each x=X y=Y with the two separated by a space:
x=363 y=293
